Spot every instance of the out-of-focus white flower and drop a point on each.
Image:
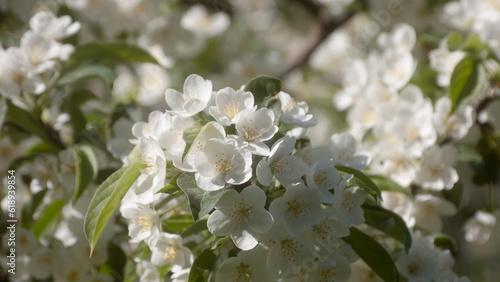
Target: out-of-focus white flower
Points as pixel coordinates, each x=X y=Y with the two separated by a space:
x=444 y=61
x=50 y=26
x=43 y=263
x=402 y=38
x=343 y=147
x=421 y=262
x=286 y=168
x=478 y=229
x=168 y=249
x=230 y=104
x=241 y=216
x=299 y=208
x=198 y=21
x=197 y=93
x=153 y=81
x=335 y=268
x=257 y=127
x=396 y=68
x=222 y=162
x=456 y=124
x=295 y=112
x=436 y=171
x=144 y=221
x=147 y=272
x=427 y=210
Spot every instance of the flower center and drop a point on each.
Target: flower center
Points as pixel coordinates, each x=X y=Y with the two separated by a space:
x=321 y=178
x=231 y=109
x=170 y=253
x=297 y=208
x=144 y=221
x=328 y=273
x=240 y=212
x=223 y=165
x=252 y=133
x=147 y=159
x=289 y=249
x=243 y=273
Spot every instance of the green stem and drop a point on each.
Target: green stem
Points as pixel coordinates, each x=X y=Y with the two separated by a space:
x=491 y=198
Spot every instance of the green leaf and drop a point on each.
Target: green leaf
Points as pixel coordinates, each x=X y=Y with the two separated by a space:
x=48 y=216
x=177 y=223
x=80 y=96
x=386 y=184
x=445 y=242
x=263 y=86
x=195 y=228
x=28 y=122
x=389 y=223
x=373 y=254
x=172 y=186
x=201 y=202
x=106 y=200
x=86 y=169
x=369 y=186
x=473 y=44
x=112 y=50
x=189 y=135
x=465 y=81
x=30 y=208
x=88 y=71
x=454 y=41
x=203 y=266
x=3 y=110
x=455 y=194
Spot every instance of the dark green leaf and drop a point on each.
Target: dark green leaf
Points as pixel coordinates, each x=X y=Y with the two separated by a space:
x=106 y=199
x=473 y=44
x=203 y=266
x=88 y=71
x=219 y=242
x=455 y=194
x=386 y=184
x=465 y=81
x=389 y=223
x=112 y=50
x=263 y=86
x=369 y=186
x=86 y=169
x=445 y=242
x=195 y=228
x=28 y=122
x=48 y=216
x=80 y=96
x=201 y=202
x=373 y=254
x=455 y=41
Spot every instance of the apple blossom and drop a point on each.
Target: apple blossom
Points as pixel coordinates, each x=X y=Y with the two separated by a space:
x=230 y=104
x=256 y=127
x=194 y=99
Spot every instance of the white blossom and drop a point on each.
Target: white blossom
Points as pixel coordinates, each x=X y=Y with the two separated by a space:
x=295 y=112
x=256 y=127
x=436 y=171
x=230 y=104
x=194 y=99
x=479 y=228
x=168 y=249
x=343 y=147
x=241 y=216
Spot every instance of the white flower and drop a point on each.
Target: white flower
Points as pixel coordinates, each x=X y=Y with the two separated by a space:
x=396 y=68
x=246 y=266
x=444 y=61
x=479 y=228
x=50 y=27
x=421 y=262
x=343 y=147
x=456 y=124
x=298 y=208
x=349 y=210
x=257 y=127
x=324 y=176
x=168 y=249
x=436 y=172
x=153 y=81
x=147 y=272
x=427 y=210
x=43 y=263
x=152 y=178
x=199 y=22
x=222 y=162
x=173 y=138
x=336 y=269
x=229 y=105
x=287 y=169
x=197 y=93
x=295 y=112
x=241 y=216
x=209 y=131
x=158 y=122
x=144 y=221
